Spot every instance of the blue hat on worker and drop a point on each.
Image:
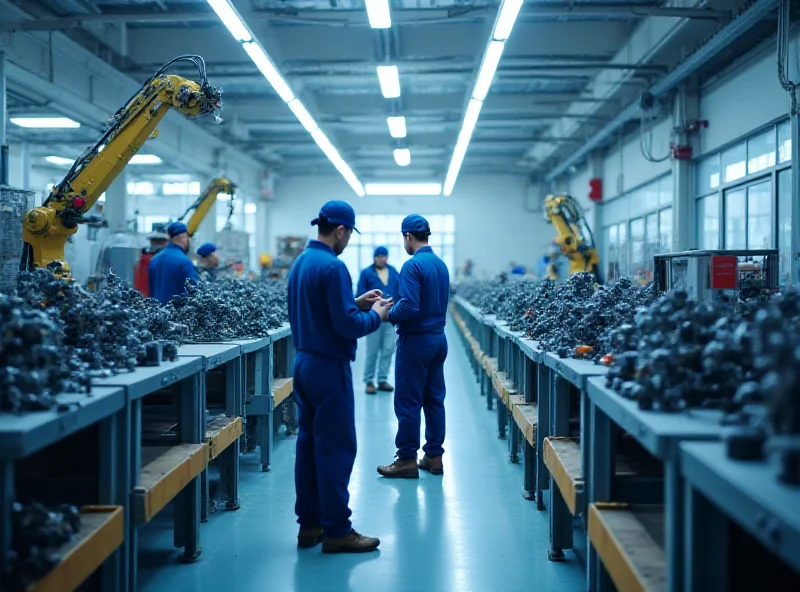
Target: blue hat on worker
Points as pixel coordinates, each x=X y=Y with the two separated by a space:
x=338 y=213
x=381 y=252
x=415 y=223
x=206 y=249
x=176 y=228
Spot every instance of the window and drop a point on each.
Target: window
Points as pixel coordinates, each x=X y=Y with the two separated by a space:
x=759 y=216
x=761 y=152
x=145 y=223
x=708 y=222
x=665 y=230
x=735 y=220
x=784 y=142
x=384 y=230
x=785 y=224
x=734 y=163
x=707 y=177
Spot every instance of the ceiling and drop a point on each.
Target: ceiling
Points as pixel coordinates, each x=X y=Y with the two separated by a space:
x=329 y=54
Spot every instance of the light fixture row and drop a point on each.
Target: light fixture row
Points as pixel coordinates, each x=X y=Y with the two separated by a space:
x=503 y=25
x=135 y=159
x=233 y=22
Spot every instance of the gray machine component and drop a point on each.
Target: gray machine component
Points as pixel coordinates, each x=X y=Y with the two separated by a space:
x=719 y=276
x=120 y=253
x=14 y=203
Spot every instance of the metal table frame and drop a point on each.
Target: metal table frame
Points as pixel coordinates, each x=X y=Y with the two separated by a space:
x=22 y=435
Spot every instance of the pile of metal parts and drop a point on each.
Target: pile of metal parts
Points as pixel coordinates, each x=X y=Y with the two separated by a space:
x=230 y=309
x=37 y=532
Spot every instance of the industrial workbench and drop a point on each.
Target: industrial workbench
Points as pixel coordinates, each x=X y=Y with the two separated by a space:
x=103 y=508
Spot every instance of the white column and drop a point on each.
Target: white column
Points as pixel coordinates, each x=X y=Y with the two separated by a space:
x=116 y=209
x=687 y=110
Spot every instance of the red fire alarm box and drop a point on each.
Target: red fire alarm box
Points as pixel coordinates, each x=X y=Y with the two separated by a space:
x=596 y=189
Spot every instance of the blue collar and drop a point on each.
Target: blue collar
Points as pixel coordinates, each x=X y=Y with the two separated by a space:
x=425 y=249
x=172 y=245
x=315 y=244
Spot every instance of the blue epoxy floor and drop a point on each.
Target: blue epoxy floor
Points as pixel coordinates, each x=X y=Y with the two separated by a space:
x=469 y=531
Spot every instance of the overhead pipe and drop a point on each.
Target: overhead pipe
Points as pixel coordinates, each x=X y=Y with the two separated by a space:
x=684 y=70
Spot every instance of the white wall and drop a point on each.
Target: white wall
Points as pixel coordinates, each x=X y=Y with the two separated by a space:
x=625 y=168
x=493 y=226
x=745 y=98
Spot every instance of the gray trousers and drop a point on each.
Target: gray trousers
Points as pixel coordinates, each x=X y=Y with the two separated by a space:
x=380 y=349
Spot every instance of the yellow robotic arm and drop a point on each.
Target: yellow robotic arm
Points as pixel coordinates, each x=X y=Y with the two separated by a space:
x=206 y=201
x=574 y=235
x=46 y=229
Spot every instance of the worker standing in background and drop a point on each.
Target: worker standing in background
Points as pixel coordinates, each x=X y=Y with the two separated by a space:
x=380 y=344
x=419 y=315
x=208 y=265
x=326 y=323
x=170 y=268
x=158 y=240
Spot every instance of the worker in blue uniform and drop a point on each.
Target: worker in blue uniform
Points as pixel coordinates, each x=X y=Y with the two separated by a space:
x=381 y=344
x=419 y=316
x=208 y=265
x=171 y=267
x=326 y=321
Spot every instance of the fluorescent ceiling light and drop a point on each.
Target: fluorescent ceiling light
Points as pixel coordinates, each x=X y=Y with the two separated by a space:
x=402 y=156
x=303 y=116
x=506 y=18
x=378 y=13
x=403 y=188
x=268 y=69
x=460 y=151
x=45 y=122
x=145 y=159
x=389 y=79
x=230 y=19
x=325 y=145
x=397 y=126
x=59 y=160
x=488 y=67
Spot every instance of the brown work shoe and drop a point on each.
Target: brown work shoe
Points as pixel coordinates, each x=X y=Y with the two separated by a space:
x=385 y=387
x=352 y=543
x=432 y=464
x=371 y=389
x=309 y=537
x=401 y=469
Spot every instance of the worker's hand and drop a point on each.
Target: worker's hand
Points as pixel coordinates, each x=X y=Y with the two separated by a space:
x=382 y=307
x=367 y=299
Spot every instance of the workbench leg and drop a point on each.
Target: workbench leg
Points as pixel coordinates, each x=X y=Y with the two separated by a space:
x=513 y=441
x=489 y=392
x=601 y=467
x=586 y=438
x=265 y=435
x=560 y=524
x=529 y=474
x=114 y=490
x=191 y=428
x=229 y=459
x=673 y=517
x=135 y=464
x=6 y=500
x=705 y=549
x=502 y=418
x=545 y=379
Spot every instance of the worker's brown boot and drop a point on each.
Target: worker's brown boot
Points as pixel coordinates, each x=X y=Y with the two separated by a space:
x=309 y=537
x=401 y=469
x=432 y=464
x=371 y=389
x=385 y=387
x=352 y=543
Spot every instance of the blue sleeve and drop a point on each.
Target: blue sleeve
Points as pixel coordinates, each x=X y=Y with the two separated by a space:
x=362 y=283
x=348 y=321
x=191 y=272
x=407 y=308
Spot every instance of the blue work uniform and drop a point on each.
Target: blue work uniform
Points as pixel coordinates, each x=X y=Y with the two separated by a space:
x=168 y=272
x=419 y=316
x=381 y=344
x=326 y=322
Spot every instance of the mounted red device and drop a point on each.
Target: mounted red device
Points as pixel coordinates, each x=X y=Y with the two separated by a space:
x=596 y=189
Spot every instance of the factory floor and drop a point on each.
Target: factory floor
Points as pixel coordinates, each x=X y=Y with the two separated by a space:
x=470 y=530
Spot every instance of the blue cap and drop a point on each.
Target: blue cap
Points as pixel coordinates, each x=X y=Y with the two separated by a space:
x=176 y=228
x=206 y=249
x=339 y=213
x=415 y=223
x=381 y=252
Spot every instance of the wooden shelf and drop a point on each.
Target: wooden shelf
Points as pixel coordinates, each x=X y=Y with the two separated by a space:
x=630 y=543
x=166 y=470
x=281 y=389
x=221 y=432
x=102 y=532
x=562 y=457
x=526 y=418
